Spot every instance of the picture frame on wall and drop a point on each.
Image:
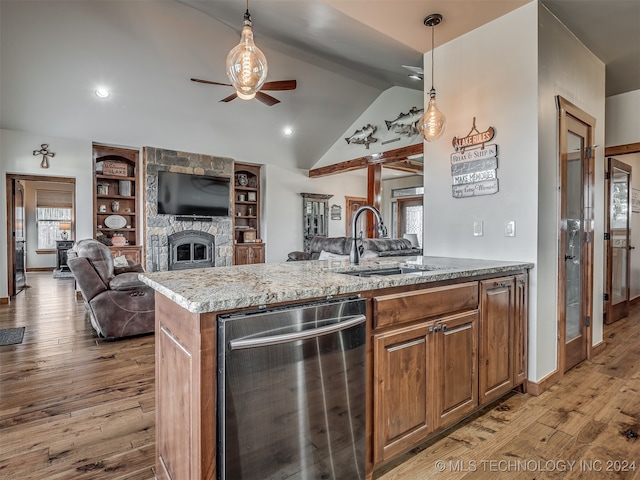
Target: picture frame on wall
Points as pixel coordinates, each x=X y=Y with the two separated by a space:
x=251 y=196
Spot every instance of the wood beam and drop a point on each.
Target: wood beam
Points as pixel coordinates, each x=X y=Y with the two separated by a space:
x=385 y=158
x=622 y=149
x=406 y=166
x=374 y=188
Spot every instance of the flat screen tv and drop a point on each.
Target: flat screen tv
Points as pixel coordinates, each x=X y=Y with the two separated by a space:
x=193 y=195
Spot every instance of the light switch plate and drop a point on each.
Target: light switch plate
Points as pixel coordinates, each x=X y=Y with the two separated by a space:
x=477 y=228
x=510 y=228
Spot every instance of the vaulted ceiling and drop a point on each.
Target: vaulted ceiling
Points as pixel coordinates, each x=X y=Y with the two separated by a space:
x=343 y=54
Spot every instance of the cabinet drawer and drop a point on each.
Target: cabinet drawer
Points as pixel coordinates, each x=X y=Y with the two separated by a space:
x=420 y=304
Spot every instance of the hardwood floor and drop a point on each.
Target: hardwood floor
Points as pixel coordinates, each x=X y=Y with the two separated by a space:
x=74 y=407
x=71 y=406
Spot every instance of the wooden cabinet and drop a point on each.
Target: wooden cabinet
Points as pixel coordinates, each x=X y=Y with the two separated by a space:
x=497 y=328
x=132 y=253
x=115 y=201
x=440 y=353
x=248 y=254
x=402 y=406
x=246 y=215
x=455 y=385
x=424 y=365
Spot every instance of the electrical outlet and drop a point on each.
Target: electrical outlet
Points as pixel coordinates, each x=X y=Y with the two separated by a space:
x=510 y=228
x=477 y=228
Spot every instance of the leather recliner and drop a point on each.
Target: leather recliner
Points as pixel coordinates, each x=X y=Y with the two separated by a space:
x=119 y=304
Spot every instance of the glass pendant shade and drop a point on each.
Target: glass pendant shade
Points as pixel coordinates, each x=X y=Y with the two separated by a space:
x=246 y=64
x=431 y=124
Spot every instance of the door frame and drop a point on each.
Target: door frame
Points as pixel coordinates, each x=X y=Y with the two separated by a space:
x=402 y=200
x=567 y=109
x=11 y=254
x=348 y=213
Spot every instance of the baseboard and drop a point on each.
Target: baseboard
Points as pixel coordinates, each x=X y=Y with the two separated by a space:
x=598 y=348
x=536 y=388
x=4 y=300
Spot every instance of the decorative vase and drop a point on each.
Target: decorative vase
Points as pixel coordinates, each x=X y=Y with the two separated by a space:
x=115 y=206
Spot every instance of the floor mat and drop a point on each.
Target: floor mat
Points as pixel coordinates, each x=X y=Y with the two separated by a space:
x=11 y=336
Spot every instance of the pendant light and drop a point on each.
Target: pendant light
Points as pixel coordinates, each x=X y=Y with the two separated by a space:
x=431 y=124
x=246 y=64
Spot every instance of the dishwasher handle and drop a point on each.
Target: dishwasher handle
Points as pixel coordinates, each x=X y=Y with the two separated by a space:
x=349 y=321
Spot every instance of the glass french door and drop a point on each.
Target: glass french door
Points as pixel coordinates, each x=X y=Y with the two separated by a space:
x=618 y=248
x=575 y=268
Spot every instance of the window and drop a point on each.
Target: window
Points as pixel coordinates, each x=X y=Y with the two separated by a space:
x=53 y=208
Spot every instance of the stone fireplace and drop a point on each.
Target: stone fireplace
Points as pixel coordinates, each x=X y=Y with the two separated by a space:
x=174 y=242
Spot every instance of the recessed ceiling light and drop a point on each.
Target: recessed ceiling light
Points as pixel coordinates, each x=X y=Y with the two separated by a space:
x=102 y=92
x=287 y=131
x=415 y=77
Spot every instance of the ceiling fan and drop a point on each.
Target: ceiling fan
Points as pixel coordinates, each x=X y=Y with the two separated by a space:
x=260 y=95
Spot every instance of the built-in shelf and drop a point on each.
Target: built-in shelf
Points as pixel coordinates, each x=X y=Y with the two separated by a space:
x=246 y=215
x=108 y=188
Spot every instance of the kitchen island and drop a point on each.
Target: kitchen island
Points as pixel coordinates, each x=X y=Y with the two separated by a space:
x=422 y=312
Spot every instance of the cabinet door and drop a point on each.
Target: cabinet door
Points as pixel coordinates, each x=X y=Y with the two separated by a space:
x=401 y=405
x=249 y=254
x=132 y=253
x=520 y=338
x=455 y=385
x=496 y=341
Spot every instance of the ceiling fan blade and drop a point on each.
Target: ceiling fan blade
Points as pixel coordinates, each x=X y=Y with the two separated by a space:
x=266 y=99
x=280 y=85
x=230 y=97
x=210 y=82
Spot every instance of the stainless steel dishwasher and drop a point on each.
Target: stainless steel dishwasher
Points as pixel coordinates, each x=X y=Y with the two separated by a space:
x=291 y=392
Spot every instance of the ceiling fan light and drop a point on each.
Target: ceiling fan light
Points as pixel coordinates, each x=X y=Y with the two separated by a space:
x=246 y=64
x=431 y=124
x=245 y=96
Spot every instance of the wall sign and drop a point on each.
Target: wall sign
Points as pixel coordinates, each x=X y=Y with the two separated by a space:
x=474 y=170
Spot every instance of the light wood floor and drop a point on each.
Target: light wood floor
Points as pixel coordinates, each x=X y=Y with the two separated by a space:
x=73 y=407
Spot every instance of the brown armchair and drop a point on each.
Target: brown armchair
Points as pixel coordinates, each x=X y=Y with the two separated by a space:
x=119 y=304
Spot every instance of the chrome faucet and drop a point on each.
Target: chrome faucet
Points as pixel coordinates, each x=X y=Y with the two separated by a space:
x=354 y=255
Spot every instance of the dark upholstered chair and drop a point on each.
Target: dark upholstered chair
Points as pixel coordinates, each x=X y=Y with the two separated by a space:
x=120 y=305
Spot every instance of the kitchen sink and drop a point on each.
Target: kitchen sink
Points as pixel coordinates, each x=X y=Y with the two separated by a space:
x=381 y=272
x=395 y=270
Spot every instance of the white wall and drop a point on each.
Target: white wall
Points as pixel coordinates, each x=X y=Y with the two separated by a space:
x=623 y=119
x=282 y=206
x=489 y=74
x=568 y=69
x=73 y=159
x=388 y=106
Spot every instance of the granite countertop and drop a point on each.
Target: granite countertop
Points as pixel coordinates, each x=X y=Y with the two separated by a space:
x=228 y=288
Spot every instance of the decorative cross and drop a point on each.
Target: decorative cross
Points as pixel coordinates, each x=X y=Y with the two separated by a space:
x=44 y=151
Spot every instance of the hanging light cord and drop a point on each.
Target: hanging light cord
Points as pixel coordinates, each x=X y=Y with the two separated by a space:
x=432 y=52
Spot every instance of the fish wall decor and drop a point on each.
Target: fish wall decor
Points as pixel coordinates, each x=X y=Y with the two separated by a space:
x=406 y=123
x=364 y=136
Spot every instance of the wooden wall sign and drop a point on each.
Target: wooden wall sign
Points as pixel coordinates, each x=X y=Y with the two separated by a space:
x=474 y=171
